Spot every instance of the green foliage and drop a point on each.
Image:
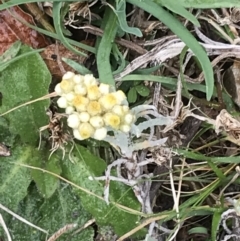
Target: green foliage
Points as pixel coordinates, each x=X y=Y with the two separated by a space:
x=86 y=165
x=137 y=88
x=20 y=82
x=46 y=183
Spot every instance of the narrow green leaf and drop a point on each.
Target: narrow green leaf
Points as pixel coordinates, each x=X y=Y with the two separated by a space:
x=87 y=165
x=46 y=183
x=78 y=67
x=14 y=179
x=215 y=225
x=121 y=14
x=177 y=8
x=24 y=80
x=57 y=25
x=142 y=90
x=177 y=28
x=105 y=46
x=209 y=3
x=132 y=95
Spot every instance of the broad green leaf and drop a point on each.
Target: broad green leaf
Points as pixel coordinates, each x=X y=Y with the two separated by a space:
x=87 y=165
x=142 y=90
x=52 y=214
x=14 y=179
x=176 y=27
x=25 y=80
x=132 y=95
x=177 y=8
x=64 y=207
x=122 y=19
x=105 y=46
x=46 y=183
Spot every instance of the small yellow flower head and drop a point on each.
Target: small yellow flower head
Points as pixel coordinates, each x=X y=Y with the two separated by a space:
x=80 y=102
x=100 y=133
x=120 y=96
x=108 y=101
x=77 y=79
x=125 y=109
x=80 y=89
x=73 y=120
x=118 y=110
x=125 y=128
x=104 y=89
x=96 y=121
x=112 y=120
x=86 y=130
x=84 y=117
x=94 y=108
x=62 y=102
x=93 y=92
x=66 y=85
x=89 y=80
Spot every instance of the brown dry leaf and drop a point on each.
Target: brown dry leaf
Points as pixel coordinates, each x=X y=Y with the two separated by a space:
x=12 y=30
x=52 y=56
x=229 y=124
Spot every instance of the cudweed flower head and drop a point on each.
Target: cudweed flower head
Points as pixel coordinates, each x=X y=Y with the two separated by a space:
x=96 y=121
x=112 y=120
x=86 y=130
x=80 y=102
x=118 y=110
x=108 y=101
x=93 y=92
x=129 y=118
x=58 y=89
x=68 y=75
x=125 y=128
x=69 y=110
x=120 y=96
x=69 y=96
x=94 y=108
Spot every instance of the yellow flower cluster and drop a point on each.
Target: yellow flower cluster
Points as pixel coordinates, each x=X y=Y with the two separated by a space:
x=92 y=107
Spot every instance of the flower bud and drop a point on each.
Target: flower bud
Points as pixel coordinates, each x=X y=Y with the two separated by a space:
x=77 y=135
x=62 y=102
x=73 y=120
x=120 y=96
x=80 y=89
x=69 y=110
x=96 y=121
x=89 y=80
x=100 y=133
x=68 y=75
x=125 y=128
x=128 y=118
x=77 y=79
x=84 y=117
x=104 y=89
x=118 y=110
x=66 y=85
x=58 y=89
x=85 y=130
x=70 y=96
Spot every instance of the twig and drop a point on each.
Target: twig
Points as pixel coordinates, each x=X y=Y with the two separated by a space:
x=5 y=228
x=61 y=231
